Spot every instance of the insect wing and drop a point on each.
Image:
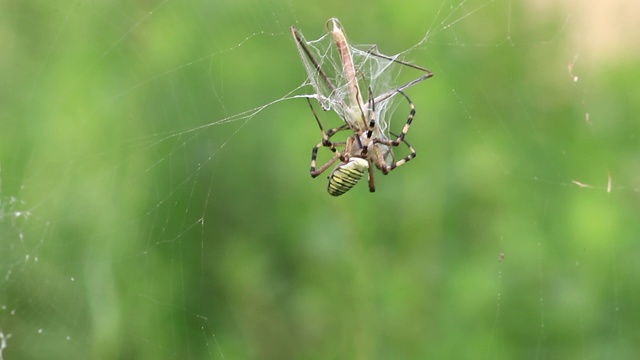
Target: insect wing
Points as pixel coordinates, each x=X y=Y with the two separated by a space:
x=313 y=56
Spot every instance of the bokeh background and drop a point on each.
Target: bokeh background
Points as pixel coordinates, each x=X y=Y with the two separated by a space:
x=155 y=200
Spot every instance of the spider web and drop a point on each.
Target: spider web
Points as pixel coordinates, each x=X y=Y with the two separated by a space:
x=155 y=200
x=375 y=72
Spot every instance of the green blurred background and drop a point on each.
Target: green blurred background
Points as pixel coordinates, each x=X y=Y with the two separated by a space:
x=150 y=211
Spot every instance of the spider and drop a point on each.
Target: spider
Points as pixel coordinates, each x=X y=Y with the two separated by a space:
x=368 y=146
x=361 y=151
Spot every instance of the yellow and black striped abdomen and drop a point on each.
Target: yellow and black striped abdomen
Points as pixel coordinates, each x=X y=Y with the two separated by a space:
x=345 y=176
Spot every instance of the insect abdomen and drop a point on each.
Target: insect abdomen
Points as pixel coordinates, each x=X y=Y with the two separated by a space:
x=346 y=175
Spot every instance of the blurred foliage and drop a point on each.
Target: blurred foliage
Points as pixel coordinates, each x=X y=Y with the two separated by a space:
x=141 y=217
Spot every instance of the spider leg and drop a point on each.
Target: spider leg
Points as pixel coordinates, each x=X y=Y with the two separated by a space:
x=372 y=114
x=371 y=125
x=326 y=142
x=405 y=129
x=322 y=168
x=380 y=162
x=314 y=154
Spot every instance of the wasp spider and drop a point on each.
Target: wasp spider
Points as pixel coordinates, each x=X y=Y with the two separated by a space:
x=368 y=146
x=361 y=150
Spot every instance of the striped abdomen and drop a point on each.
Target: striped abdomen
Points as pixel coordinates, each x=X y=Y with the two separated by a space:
x=346 y=175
